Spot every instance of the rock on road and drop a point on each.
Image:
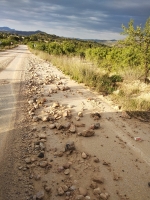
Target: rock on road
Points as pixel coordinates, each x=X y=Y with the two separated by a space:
x=58 y=160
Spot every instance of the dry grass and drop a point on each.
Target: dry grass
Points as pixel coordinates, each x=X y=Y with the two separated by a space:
x=131 y=73
x=81 y=71
x=133 y=95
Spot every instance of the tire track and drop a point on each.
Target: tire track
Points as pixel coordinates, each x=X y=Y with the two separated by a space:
x=5 y=63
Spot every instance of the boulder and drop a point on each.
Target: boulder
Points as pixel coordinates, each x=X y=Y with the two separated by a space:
x=88 y=133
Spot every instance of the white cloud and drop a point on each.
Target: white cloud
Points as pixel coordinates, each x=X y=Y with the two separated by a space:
x=97 y=19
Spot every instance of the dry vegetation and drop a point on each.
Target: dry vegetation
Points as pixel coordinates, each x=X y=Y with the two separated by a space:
x=131 y=93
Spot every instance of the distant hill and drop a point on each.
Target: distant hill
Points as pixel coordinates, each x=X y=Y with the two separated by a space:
x=105 y=42
x=46 y=36
x=6 y=29
x=23 y=33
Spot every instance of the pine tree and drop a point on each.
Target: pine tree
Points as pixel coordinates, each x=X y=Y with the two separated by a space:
x=139 y=38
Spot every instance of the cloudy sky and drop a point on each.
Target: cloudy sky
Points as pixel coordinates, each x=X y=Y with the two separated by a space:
x=86 y=19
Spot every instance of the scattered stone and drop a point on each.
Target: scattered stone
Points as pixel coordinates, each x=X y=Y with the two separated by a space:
x=60 y=168
x=47 y=188
x=106 y=163
x=66 y=114
x=97 y=191
x=72 y=188
x=67 y=125
x=30 y=102
x=68 y=194
x=115 y=177
x=41 y=100
x=96 y=116
x=33 y=159
x=72 y=128
x=80 y=114
x=96 y=160
x=60 y=154
x=34 y=129
x=84 y=155
x=37 y=147
x=35 y=118
x=60 y=191
x=78 y=118
x=42 y=146
x=125 y=115
x=96 y=125
x=57 y=116
x=36 y=106
x=45 y=118
x=79 y=197
x=93 y=185
x=40 y=195
x=42 y=136
x=87 y=198
x=104 y=196
x=67 y=171
x=28 y=160
x=149 y=184
x=55 y=105
x=31 y=113
x=52 y=126
x=80 y=125
x=88 y=133
x=24 y=169
x=65 y=188
x=98 y=179
x=59 y=83
x=20 y=167
x=59 y=126
x=43 y=164
x=67 y=88
x=41 y=155
x=37 y=177
x=82 y=191
x=70 y=146
x=66 y=166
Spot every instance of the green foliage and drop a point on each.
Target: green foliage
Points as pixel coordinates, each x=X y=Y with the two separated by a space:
x=8 y=40
x=116 y=78
x=139 y=38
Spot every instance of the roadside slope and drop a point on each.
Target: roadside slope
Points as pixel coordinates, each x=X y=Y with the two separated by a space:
x=60 y=110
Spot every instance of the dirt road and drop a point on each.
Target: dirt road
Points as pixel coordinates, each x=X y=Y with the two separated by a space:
x=70 y=143
x=12 y=66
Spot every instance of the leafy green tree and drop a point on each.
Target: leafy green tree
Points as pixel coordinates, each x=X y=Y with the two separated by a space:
x=68 y=48
x=139 y=37
x=55 y=48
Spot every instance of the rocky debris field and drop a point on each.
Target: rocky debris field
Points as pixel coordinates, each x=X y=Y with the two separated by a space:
x=74 y=147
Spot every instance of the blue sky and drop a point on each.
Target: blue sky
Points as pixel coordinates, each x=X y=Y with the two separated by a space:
x=85 y=19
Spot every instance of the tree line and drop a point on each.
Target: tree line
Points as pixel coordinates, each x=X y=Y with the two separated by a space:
x=132 y=52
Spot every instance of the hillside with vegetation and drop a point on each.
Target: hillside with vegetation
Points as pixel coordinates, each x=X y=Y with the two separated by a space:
x=121 y=71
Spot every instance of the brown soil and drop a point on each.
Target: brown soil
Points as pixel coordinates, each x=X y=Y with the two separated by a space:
x=37 y=161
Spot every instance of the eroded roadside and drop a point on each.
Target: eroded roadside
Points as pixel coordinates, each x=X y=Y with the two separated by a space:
x=69 y=143
x=103 y=162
